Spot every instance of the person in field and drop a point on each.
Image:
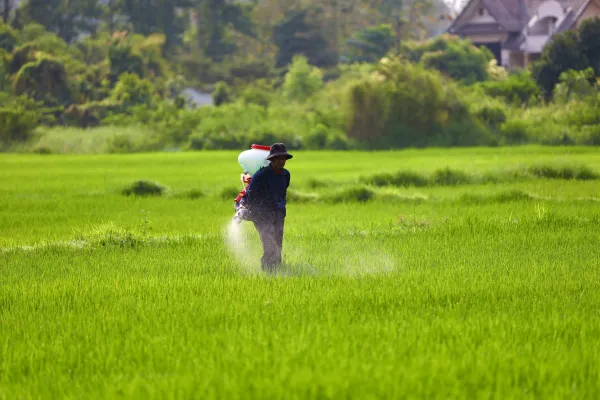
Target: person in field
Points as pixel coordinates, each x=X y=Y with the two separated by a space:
x=266 y=199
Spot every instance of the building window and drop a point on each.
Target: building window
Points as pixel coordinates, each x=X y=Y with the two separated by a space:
x=481 y=11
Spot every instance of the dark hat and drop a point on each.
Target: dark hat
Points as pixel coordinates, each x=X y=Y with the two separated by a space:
x=278 y=149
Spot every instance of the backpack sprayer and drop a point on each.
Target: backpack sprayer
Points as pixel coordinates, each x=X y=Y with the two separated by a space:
x=251 y=161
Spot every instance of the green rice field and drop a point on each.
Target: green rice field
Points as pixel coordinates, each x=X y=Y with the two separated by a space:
x=433 y=274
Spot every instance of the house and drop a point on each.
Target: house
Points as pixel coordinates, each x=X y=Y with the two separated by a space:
x=517 y=31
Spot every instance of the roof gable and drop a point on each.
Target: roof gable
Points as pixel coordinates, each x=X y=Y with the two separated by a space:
x=511 y=15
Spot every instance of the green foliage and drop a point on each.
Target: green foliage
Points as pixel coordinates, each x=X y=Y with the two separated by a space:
x=8 y=38
x=572 y=50
x=302 y=80
x=447 y=176
x=353 y=194
x=18 y=119
x=122 y=59
x=299 y=33
x=91 y=113
x=67 y=19
x=574 y=85
x=131 y=90
x=222 y=94
x=259 y=92
x=453 y=56
x=402 y=104
x=151 y=16
x=572 y=123
x=370 y=44
x=145 y=188
x=44 y=80
x=519 y=89
x=222 y=17
x=589 y=42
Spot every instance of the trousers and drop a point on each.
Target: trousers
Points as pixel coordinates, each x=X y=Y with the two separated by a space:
x=270 y=230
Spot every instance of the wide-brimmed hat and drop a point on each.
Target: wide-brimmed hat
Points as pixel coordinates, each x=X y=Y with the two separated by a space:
x=278 y=149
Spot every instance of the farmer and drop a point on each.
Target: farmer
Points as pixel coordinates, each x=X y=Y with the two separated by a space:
x=266 y=200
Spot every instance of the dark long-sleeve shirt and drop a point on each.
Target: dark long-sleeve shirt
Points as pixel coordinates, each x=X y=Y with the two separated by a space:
x=268 y=191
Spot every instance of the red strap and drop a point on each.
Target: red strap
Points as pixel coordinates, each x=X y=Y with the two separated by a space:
x=243 y=192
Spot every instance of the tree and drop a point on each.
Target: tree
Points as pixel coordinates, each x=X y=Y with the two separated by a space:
x=589 y=40
x=370 y=44
x=561 y=54
x=67 y=18
x=215 y=19
x=295 y=35
x=153 y=16
x=44 y=79
x=455 y=57
x=6 y=7
x=302 y=80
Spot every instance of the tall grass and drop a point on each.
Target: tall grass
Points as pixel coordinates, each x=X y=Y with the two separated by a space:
x=452 y=289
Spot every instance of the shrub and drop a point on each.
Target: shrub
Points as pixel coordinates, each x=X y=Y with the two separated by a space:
x=370 y=44
x=574 y=85
x=579 y=172
x=8 y=38
x=449 y=177
x=302 y=80
x=229 y=192
x=492 y=114
x=90 y=114
x=222 y=94
x=294 y=196
x=402 y=104
x=132 y=90
x=400 y=178
x=145 y=188
x=590 y=135
x=514 y=132
x=520 y=88
x=353 y=194
x=451 y=55
x=192 y=194
x=44 y=80
x=18 y=119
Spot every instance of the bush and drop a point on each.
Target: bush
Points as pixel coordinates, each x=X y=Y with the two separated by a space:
x=222 y=94
x=520 y=89
x=449 y=177
x=18 y=119
x=145 y=188
x=590 y=135
x=302 y=80
x=451 y=55
x=16 y=124
x=514 y=132
x=229 y=193
x=402 y=104
x=8 y=38
x=352 y=194
x=579 y=172
x=492 y=114
x=44 y=80
x=131 y=90
x=193 y=194
x=90 y=114
x=400 y=178
x=574 y=85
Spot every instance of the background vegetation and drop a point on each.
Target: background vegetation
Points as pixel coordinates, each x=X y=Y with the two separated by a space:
x=82 y=76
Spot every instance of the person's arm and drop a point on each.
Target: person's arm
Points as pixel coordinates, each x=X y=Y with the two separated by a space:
x=288 y=178
x=253 y=191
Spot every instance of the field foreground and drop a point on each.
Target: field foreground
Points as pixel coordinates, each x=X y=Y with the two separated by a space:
x=467 y=273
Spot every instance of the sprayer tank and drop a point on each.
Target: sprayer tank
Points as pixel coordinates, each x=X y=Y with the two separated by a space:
x=254 y=159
